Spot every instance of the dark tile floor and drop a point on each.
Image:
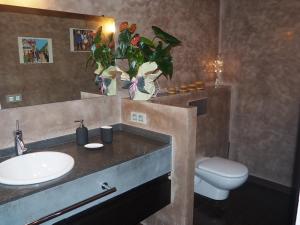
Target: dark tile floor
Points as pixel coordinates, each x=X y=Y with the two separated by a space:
x=251 y=204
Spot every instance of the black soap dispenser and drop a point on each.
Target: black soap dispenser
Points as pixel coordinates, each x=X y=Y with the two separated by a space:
x=82 y=134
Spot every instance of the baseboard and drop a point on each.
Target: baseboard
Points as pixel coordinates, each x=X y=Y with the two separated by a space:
x=269 y=184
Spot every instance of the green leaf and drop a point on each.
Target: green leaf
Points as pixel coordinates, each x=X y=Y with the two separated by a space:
x=162 y=57
x=157 y=54
x=97 y=53
x=89 y=60
x=111 y=38
x=97 y=39
x=165 y=36
x=101 y=52
x=135 y=60
x=166 y=66
x=147 y=42
x=146 y=50
x=124 y=42
x=133 y=68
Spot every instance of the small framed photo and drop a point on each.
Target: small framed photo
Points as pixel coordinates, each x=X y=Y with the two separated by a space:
x=34 y=50
x=81 y=40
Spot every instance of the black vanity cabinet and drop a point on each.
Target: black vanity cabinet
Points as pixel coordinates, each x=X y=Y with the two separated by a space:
x=127 y=209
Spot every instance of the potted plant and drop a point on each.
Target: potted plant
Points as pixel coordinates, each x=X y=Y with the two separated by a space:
x=147 y=59
x=102 y=55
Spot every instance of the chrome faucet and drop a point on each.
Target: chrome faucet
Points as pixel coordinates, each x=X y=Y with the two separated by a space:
x=19 y=144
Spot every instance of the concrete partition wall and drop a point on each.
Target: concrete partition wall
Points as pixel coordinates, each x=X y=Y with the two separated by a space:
x=180 y=123
x=212 y=123
x=52 y=120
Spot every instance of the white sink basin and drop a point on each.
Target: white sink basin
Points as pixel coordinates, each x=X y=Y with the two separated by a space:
x=35 y=168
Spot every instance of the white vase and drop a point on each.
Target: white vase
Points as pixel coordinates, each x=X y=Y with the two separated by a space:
x=150 y=73
x=109 y=73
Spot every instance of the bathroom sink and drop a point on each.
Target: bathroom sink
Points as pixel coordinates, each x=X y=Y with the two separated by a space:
x=35 y=168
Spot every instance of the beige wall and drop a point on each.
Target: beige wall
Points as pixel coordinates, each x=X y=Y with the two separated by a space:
x=260 y=43
x=52 y=120
x=213 y=126
x=180 y=123
x=44 y=83
x=193 y=22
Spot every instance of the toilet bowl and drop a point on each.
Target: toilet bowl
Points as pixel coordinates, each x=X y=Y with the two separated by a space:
x=215 y=177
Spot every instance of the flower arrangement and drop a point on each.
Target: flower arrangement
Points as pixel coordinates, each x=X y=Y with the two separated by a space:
x=147 y=59
x=102 y=54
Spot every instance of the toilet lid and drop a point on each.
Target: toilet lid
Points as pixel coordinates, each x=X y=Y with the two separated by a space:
x=223 y=167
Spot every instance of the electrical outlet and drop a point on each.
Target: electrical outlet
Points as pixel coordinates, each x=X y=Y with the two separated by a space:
x=138 y=117
x=13 y=98
x=142 y=118
x=133 y=116
x=18 y=98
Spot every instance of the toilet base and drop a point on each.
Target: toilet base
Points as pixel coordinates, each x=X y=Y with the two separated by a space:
x=203 y=188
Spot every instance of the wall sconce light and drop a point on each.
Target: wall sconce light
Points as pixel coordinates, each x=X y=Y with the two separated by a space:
x=24 y=3
x=218 y=69
x=109 y=27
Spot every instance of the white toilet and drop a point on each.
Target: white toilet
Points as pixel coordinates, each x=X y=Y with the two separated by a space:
x=215 y=177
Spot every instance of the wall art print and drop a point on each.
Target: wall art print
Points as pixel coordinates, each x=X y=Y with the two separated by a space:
x=33 y=50
x=81 y=40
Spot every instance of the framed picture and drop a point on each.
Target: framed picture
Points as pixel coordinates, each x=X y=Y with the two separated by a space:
x=81 y=40
x=34 y=50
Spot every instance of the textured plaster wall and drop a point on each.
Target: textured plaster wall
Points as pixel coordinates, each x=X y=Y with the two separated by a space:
x=212 y=126
x=261 y=47
x=52 y=120
x=192 y=21
x=44 y=83
x=180 y=123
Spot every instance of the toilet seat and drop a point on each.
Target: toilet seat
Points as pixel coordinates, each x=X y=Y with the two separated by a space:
x=223 y=167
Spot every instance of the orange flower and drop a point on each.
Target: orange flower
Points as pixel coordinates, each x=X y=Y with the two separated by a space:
x=135 y=40
x=93 y=33
x=123 y=26
x=111 y=45
x=132 y=28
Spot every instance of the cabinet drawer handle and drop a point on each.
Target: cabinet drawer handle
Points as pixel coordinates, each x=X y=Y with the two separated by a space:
x=105 y=186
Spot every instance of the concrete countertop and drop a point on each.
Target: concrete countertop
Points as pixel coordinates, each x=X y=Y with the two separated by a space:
x=182 y=99
x=128 y=143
